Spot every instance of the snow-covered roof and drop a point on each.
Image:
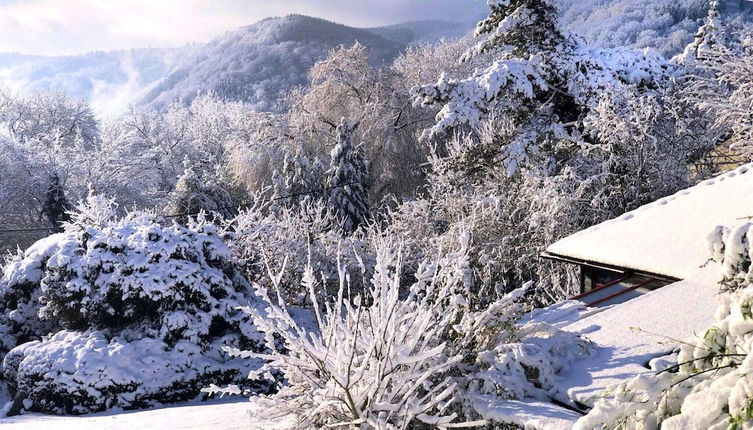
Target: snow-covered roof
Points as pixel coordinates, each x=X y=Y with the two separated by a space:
x=666 y=237
x=629 y=335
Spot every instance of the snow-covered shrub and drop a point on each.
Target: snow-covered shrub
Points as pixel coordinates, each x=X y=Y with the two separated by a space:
x=711 y=386
x=120 y=286
x=405 y=356
x=197 y=191
x=527 y=365
x=373 y=359
x=80 y=372
x=731 y=247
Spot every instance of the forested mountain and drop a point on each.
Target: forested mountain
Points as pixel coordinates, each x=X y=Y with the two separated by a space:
x=257 y=63
x=260 y=63
x=666 y=25
x=423 y=31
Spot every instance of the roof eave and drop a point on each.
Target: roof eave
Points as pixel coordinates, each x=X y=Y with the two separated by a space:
x=603 y=266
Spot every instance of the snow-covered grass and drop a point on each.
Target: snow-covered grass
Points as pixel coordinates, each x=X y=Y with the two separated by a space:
x=227 y=414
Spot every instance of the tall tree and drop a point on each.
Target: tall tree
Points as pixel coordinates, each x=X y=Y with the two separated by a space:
x=56 y=205
x=346 y=180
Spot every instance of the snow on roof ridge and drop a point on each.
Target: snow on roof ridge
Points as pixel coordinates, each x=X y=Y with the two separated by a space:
x=664 y=200
x=663 y=238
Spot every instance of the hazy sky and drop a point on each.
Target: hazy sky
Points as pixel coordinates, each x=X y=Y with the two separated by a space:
x=54 y=27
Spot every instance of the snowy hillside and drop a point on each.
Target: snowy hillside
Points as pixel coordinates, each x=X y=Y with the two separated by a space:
x=260 y=63
x=667 y=25
x=257 y=63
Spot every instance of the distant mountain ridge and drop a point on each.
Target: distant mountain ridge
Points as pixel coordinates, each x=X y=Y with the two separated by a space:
x=256 y=63
x=423 y=31
x=259 y=63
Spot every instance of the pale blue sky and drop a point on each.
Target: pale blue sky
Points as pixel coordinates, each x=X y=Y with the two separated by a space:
x=54 y=27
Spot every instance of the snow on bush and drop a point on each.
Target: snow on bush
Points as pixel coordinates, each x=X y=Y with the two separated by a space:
x=80 y=372
x=375 y=359
x=711 y=386
x=129 y=293
x=527 y=366
x=397 y=356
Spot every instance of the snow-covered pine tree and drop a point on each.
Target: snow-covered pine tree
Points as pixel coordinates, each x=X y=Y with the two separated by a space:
x=521 y=27
x=346 y=180
x=56 y=205
x=706 y=38
x=299 y=181
x=197 y=191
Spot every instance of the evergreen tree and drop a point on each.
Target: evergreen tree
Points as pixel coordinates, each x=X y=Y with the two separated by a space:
x=197 y=191
x=301 y=179
x=520 y=27
x=706 y=39
x=346 y=178
x=56 y=205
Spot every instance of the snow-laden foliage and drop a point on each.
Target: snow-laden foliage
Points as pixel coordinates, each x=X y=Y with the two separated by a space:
x=373 y=359
x=547 y=64
x=77 y=372
x=198 y=191
x=710 y=387
x=112 y=282
x=300 y=182
x=397 y=355
x=346 y=179
x=559 y=136
x=722 y=87
x=526 y=366
x=706 y=38
x=270 y=238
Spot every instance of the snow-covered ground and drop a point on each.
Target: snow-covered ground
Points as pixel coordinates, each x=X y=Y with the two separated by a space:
x=228 y=414
x=628 y=336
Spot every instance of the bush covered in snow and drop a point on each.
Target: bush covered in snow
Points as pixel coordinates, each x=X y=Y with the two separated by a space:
x=710 y=387
x=397 y=357
x=144 y=309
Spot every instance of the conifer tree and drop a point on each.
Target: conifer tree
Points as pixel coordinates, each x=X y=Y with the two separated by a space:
x=346 y=180
x=56 y=205
x=706 y=38
x=521 y=27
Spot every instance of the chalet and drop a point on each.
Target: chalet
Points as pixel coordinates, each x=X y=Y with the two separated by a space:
x=656 y=244
x=647 y=285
